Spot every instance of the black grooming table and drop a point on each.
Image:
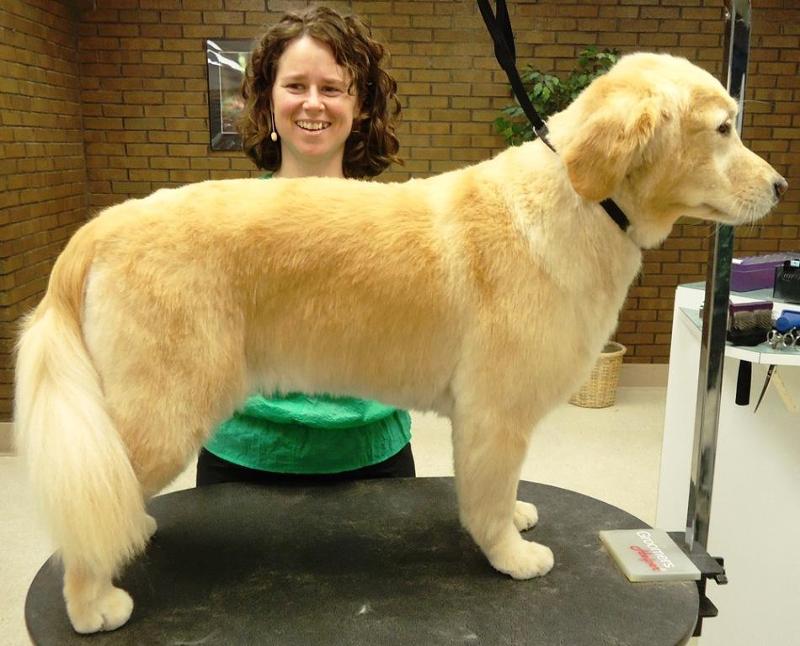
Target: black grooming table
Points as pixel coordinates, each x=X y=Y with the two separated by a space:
x=377 y=563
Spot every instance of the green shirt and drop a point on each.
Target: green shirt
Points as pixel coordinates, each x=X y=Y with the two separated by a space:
x=304 y=435
x=300 y=434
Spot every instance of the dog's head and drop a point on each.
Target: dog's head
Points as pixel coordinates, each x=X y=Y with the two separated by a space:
x=658 y=134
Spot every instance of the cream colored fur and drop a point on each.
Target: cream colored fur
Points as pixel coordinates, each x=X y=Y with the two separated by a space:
x=483 y=294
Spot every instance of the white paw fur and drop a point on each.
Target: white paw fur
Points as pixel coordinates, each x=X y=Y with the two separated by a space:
x=525 y=515
x=108 y=611
x=521 y=559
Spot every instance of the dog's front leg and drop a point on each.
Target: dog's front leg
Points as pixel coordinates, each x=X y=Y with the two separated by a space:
x=488 y=458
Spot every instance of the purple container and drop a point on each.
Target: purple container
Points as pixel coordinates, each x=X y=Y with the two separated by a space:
x=756 y=272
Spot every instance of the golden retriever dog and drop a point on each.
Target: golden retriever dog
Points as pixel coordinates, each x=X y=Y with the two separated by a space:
x=484 y=294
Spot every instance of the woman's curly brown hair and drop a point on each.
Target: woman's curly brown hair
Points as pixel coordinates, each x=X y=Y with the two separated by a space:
x=372 y=145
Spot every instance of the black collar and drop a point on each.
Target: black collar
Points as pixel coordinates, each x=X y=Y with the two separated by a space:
x=499 y=27
x=616 y=213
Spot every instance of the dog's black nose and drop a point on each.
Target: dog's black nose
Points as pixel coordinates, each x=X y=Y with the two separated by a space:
x=780 y=187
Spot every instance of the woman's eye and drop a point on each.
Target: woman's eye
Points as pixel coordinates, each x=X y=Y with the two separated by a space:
x=724 y=128
x=331 y=90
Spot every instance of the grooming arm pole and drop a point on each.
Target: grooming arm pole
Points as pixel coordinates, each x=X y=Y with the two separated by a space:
x=715 y=310
x=713 y=336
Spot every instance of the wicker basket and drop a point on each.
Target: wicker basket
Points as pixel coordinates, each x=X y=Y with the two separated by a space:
x=600 y=390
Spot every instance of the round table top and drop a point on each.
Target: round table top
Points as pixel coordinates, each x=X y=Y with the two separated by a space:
x=375 y=562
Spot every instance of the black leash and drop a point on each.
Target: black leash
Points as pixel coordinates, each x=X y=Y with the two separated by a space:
x=499 y=26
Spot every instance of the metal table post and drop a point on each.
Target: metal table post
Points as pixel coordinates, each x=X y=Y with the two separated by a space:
x=713 y=336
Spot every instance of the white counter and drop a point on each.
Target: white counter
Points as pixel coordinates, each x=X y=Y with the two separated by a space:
x=755 y=510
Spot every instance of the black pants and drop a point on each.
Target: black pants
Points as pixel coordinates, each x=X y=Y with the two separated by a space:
x=214 y=470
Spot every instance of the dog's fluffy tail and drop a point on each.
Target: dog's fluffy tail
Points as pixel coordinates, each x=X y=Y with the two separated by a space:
x=78 y=465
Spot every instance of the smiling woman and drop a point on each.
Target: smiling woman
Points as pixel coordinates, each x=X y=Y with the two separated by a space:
x=326 y=71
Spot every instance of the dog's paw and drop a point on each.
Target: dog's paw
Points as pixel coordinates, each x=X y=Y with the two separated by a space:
x=109 y=611
x=151 y=526
x=525 y=515
x=522 y=559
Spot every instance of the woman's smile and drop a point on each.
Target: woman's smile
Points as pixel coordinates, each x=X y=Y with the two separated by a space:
x=313 y=126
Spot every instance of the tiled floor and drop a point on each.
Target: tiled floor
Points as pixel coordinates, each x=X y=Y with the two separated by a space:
x=611 y=454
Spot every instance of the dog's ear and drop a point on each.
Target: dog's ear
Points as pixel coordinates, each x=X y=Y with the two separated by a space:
x=604 y=147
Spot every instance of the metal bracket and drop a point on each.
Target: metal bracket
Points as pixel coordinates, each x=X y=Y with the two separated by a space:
x=711 y=567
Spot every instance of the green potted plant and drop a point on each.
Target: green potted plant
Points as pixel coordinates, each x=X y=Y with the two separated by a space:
x=549 y=94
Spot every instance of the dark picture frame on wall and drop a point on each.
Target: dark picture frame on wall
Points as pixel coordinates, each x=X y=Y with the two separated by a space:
x=227 y=60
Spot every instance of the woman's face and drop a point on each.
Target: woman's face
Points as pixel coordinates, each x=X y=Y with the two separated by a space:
x=313 y=110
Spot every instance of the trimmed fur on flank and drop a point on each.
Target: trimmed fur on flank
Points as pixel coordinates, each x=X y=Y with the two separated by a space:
x=484 y=294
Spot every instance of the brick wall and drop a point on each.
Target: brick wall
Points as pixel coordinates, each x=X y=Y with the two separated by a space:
x=144 y=104
x=43 y=191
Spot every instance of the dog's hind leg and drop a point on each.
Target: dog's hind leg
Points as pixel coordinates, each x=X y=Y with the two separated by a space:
x=488 y=449
x=79 y=468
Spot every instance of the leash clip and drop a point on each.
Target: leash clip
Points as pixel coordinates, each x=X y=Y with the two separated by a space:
x=543 y=133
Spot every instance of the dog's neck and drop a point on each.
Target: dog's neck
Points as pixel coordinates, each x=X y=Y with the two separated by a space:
x=649 y=224
x=640 y=224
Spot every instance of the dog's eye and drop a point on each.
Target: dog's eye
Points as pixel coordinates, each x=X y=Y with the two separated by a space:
x=725 y=128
